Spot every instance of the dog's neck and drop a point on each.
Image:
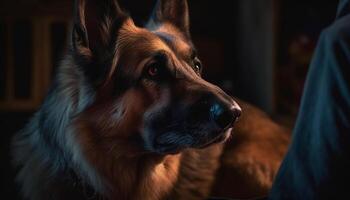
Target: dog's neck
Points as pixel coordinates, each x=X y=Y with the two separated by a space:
x=147 y=177
x=117 y=168
x=122 y=174
x=155 y=176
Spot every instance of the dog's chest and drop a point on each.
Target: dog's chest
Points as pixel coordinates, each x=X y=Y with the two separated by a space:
x=197 y=173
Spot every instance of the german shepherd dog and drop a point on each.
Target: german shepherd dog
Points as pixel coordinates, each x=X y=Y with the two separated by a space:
x=129 y=117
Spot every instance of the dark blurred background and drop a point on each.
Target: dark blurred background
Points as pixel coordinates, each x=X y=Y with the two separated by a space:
x=258 y=50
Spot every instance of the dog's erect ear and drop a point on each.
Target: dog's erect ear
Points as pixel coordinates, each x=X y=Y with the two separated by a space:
x=171 y=11
x=96 y=23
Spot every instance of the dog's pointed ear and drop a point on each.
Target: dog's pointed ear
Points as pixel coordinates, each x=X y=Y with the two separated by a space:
x=172 y=11
x=95 y=24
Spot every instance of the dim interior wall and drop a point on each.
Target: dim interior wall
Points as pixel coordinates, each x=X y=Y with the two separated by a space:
x=255 y=52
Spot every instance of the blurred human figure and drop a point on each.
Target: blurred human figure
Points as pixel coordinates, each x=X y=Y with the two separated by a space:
x=317 y=165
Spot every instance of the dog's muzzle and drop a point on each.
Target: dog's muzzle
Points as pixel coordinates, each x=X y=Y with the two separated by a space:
x=224 y=117
x=223 y=114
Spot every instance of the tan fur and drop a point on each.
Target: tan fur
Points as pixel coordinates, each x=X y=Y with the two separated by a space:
x=91 y=135
x=247 y=164
x=244 y=167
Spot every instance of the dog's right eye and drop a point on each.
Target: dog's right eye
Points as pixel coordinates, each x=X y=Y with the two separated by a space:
x=156 y=69
x=153 y=70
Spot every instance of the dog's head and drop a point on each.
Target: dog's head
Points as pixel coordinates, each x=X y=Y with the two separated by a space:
x=149 y=92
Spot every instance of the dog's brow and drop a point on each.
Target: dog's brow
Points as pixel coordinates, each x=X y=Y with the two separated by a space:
x=166 y=37
x=161 y=54
x=174 y=42
x=164 y=56
x=194 y=53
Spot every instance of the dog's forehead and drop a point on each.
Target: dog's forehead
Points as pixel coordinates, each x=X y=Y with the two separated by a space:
x=165 y=37
x=174 y=39
x=175 y=43
x=136 y=44
x=139 y=38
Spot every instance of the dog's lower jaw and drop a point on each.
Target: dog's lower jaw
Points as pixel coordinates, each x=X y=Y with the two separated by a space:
x=222 y=138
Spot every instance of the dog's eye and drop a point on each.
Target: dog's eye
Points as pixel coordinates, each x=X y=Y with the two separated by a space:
x=156 y=68
x=197 y=66
x=153 y=70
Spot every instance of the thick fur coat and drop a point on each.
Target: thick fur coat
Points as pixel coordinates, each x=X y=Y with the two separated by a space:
x=124 y=119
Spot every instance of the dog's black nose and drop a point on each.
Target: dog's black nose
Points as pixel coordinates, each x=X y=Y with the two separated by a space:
x=224 y=117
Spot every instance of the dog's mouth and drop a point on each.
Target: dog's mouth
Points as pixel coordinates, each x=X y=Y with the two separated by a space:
x=221 y=138
x=193 y=142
